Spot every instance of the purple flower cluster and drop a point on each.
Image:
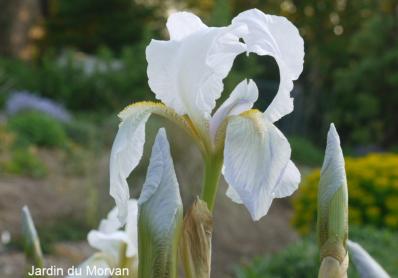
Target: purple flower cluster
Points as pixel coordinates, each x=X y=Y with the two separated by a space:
x=24 y=100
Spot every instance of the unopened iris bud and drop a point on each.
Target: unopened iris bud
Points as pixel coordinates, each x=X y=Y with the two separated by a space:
x=32 y=246
x=159 y=215
x=332 y=224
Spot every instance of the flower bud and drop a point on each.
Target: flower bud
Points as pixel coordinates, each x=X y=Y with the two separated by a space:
x=32 y=246
x=159 y=215
x=332 y=224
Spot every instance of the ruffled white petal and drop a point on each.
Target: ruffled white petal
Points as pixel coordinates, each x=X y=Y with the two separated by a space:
x=111 y=223
x=109 y=244
x=257 y=163
x=109 y=238
x=278 y=37
x=160 y=198
x=98 y=263
x=364 y=263
x=182 y=24
x=186 y=74
x=333 y=174
x=241 y=99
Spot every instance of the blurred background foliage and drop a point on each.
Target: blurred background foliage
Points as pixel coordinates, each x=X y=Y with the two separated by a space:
x=348 y=77
x=301 y=259
x=373 y=194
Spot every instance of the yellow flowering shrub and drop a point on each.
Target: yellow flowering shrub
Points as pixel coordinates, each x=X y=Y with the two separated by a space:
x=372 y=189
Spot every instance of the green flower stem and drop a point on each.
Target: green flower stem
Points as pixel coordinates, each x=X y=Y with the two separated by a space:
x=212 y=172
x=126 y=262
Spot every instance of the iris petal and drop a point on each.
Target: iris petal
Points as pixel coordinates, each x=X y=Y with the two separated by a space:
x=257 y=163
x=241 y=99
x=128 y=146
x=186 y=72
x=278 y=37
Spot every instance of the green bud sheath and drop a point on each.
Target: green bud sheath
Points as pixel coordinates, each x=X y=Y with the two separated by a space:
x=332 y=224
x=159 y=215
x=195 y=247
x=32 y=246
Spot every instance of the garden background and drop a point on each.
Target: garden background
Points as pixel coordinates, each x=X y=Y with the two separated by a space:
x=68 y=67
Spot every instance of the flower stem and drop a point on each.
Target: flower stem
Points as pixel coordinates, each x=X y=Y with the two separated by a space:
x=212 y=172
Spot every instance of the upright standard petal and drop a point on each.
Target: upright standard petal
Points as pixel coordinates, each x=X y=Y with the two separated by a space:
x=257 y=163
x=186 y=72
x=241 y=99
x=364 y=263
x=278 y=37
x=128 y=146
x=183 y=24
x=160 y=214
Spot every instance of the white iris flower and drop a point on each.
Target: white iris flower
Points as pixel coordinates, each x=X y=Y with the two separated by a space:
x=186 y=74
x=117 y=247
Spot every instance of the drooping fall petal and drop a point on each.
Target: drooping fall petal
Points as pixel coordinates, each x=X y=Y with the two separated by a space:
x=128 y=146
x=257 y=163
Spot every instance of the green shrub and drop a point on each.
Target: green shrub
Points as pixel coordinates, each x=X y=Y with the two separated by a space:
x=305 y=152
x=38 y=129
x=372 y=188
x=301 y=259
x=84 y=83
x=24 y=162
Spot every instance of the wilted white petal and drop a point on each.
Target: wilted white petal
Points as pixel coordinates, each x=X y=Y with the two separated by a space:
x=186 y=74
x=109 y=244
x=278 y=37
x=96 y=264
x=364 y=263
x=333 y=174
x=183 y=24
x=256 y=160
x=241 y=99
x=160 y=214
